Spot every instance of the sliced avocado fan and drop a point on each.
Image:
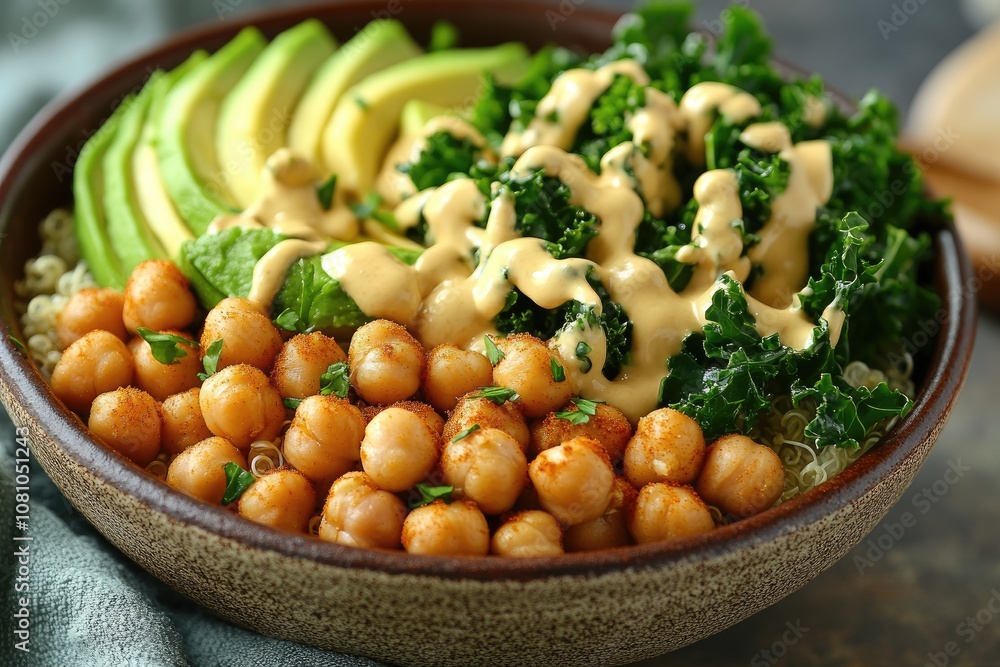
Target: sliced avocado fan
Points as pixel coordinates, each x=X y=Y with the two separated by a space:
x=254 y=116
x=130 y=236
x=191 y=170
x=367 y=116
x=380 y=44
x=151 y=194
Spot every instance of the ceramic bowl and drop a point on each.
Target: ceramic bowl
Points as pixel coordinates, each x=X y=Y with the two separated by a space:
x=606 y=607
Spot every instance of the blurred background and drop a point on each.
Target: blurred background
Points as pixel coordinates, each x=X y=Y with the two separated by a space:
x=901 y=605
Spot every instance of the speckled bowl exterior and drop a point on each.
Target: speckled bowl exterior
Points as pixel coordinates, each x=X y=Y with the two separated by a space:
x=603 y=608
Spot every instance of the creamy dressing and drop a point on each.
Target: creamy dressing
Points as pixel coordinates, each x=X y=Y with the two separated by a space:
x=464 y=279
x=270 y=270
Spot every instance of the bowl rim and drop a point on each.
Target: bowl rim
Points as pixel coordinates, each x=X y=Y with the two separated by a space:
x=943 y=379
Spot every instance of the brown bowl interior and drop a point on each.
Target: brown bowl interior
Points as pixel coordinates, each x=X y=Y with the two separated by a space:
x=35 y=177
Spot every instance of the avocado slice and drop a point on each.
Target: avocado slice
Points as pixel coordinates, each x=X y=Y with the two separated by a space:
x=367 y=116
x=416 y=114
x=131 y=238
x=90 y=225
x=254 y=116
x=151 y=193
x=189 y=165
x=382 y=43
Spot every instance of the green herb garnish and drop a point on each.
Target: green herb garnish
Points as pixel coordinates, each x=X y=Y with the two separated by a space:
x=325 y=192
x=493 y=353
x=468 y=431
x=211 y=360
x=238 y=480
x=582 y=350
x=558 y=372
x=166 y=348
x=292 y=403
x=498 y=395
x=336 y=380
x=585 y=409
x=18 y=343
x=429 y=494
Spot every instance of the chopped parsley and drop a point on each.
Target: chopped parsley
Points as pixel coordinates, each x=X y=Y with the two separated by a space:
x=585 y=409
x=472 y=429
x=493 y=353
x=325 y=192
x=582 y=350
x=292 y=403
x=336 y=380
x=558 y=372
x=165 y=348
x=211 y=360
x=498 y=395
x=238 y=480
x=428 y=494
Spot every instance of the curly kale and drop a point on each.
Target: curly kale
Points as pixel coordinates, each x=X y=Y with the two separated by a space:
x=522 y=315
x=443 y=158
x=543 y=210
x=607 y=123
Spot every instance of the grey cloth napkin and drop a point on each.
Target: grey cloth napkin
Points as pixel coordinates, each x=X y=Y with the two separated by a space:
x=88 y=605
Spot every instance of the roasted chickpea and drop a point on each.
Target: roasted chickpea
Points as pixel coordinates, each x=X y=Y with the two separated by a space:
x=183 y=424
x=489 y=468
x=609 y=427
x=301 y=363
x=741 y=477
x=239 y=405
x=526 y=368
x=666 y=512
x=248 y=335
x=161 y=380
x=88 y=310
x=98 y=362
x=528 y=534
x=359 y=514
x=472 y=410
x=324 y=439
x=398 y=450
x=451 y=373
x=439 y=529
x=281 y=499
x=668 y=446
x=434 y=421
x=386 y=362
x=128 y=421
x=608 y=530
x=157 y=297
x=199 y=471
x=573 y=480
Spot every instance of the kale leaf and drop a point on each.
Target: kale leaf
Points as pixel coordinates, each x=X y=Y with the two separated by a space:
x=543 y=210
x=443 y=158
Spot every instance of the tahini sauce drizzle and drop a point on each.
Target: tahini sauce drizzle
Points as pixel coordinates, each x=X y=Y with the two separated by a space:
x=446 y=299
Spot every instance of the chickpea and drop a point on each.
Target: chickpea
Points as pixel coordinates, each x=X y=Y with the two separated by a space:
x=398 y=450
x=665 y=512
x=128 y=421
x=741 y=477
x=527 y=369
x=324 y=439
x=528 y=534
x=301 y=363
x=386 y=362
x=359 y=514
x=472 y=411
x=668 y=446
x=199 y=471
x=281 y=499
x=239 y=405
x=573 y=480
x=451 y=373
x=609 y=427
x=183 y=424
x=158 y=297
x=439 y=529
x=488 y=466
x=161 y=380
x=88 y=310
x=608 y=530
x=98 y=362
x=434 y=421
x=248 y=335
